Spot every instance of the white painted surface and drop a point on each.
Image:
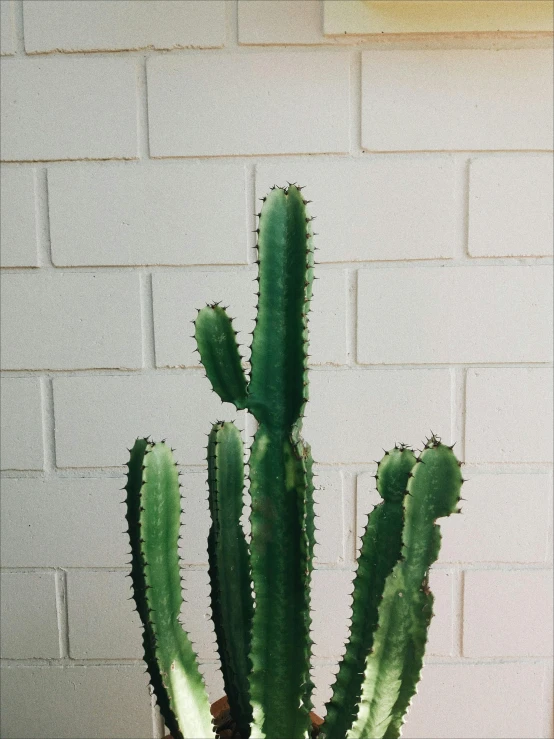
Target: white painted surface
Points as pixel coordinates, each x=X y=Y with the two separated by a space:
x=105 y=263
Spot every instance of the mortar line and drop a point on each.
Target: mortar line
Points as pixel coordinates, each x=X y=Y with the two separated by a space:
x=418 y=263
x=457 y=612
x=457 y=410
x=18 y=28
x=231 y=41
x=351 y=317
x=321 y=566
x=143 y=139
x=466 y=209
x=62 y=612
x=115 y=472
x=460 y=613
x=349 y=482
x=42 y=215
x=48 y=426
x=147 y=321
x=355 y=106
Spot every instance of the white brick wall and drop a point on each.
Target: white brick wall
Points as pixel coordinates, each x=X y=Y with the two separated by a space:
x=431 y=179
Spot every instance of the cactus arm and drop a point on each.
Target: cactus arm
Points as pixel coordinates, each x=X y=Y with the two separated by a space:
x=279 y=345
x=276 y=396
x=231 y=595
x=393 y=669
x=154 y=508
x=380 y=550
x=219 y=354
x=133 y=505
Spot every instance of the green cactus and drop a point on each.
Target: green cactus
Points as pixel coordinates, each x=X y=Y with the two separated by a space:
x=260 y=592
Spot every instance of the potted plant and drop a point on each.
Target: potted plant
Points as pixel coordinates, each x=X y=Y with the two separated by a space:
x=260 y=591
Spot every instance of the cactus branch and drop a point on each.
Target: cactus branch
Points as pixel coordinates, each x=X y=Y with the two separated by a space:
x=153 y=513
x=380 y=551
x=393 y=668
x=219 y=353
x=232 y=605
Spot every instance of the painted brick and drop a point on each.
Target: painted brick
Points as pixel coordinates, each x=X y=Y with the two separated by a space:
x=88 y=511
x=29 y=618
x=21 y=438
x=329 y=633
x=195 y=519
x=91 y=26
x=112 y=628
x=340 y=422
x=214 y=680
x=510 y=211
x=180 y=408
x=374 y=207
x=476 y=306
x=472 y=701
x=152 y=214
x=323 y=675
x=508 y=613
x=332 y=528
x=457 y=99
x=509 y=415
x=71 y=321
x=280 y=22
x=441 y=631
x=18 y=236
x=177 y=297
x=108 y=702
x=60 y=108
x=224 y=105
x=505 y=519
x=196 y=613
x=7 y=31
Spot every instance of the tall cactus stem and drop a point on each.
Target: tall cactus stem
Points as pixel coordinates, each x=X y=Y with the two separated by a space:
x=231 y=597
x=153 y=515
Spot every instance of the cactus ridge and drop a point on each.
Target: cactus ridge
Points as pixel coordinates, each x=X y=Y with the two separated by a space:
x=260 y=590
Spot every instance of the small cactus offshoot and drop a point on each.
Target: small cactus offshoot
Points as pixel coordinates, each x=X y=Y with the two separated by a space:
x=260 y=590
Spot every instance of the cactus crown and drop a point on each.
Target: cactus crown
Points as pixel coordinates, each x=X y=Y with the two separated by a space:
x=260 y=592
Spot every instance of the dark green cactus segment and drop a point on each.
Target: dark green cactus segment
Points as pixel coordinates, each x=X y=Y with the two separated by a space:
x=278 y=653
x=277 y=390
x=380 y=551
x=231 y=596
x=393 y=669
x=159 y=520
x=219 y=354
x=133 y=504
x=307 y=560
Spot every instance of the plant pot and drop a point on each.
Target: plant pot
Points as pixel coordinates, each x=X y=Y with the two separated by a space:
x=222 y=720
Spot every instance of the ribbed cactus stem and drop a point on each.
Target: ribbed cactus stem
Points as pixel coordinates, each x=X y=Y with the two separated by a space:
x=232 y=605
x=153 y=514
x=393 y=668
x=380 y=551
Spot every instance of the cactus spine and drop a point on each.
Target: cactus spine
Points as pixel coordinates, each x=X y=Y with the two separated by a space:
x=260 y=593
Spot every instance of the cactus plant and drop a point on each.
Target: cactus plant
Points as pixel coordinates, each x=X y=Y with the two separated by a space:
x=260 y=591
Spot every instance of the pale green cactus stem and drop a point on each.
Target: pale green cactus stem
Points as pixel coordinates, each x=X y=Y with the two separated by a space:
x=393 y=668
